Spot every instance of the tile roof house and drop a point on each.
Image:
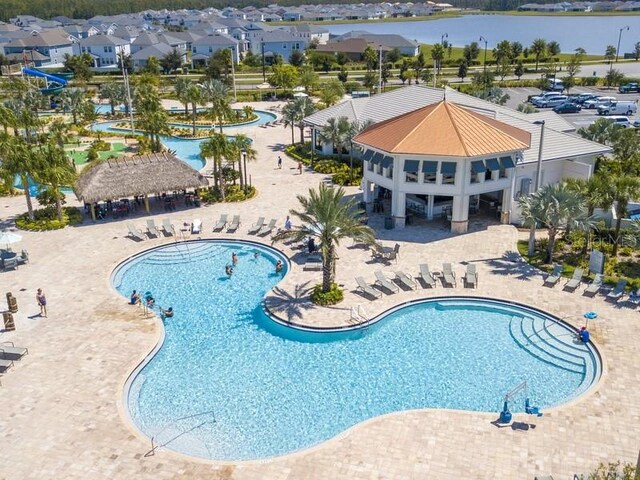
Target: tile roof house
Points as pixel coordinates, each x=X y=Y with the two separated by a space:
x=446 y=157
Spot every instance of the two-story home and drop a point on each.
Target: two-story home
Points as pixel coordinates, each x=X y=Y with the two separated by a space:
x=204 y=46
x=277 y=42
x=45 y=49
x=106 y=50
x=148 y=39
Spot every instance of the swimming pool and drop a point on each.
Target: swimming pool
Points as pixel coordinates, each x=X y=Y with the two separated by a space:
x=229 y=383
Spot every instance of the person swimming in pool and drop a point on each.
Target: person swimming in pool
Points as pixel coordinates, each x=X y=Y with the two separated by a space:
x=135 y=298
x=228 y=270
x=279 y=266
x=150 y=301
x=234 y=258
x=168 y=312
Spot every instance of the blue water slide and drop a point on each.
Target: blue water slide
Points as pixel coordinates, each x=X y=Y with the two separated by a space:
x=50 y=78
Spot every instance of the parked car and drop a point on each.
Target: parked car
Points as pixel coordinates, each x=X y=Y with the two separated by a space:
x=544 y=96
x=567 y=107
x=597 y=102
x=555 y=85
x=620 y=120
x=636 y=123
x=629 y=88
x=583 y=97
x=552 y=102
x=618 y=108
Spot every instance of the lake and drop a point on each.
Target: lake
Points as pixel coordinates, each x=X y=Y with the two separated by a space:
x=593 y=33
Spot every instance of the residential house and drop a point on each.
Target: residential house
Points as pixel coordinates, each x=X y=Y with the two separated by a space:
x=390 y=41
x=203 y=47
x=353 y=48
x=106 y=50
x=45 y=49
x=158 y=50
x=277 y=42
x=148 y=39
x=311 y=32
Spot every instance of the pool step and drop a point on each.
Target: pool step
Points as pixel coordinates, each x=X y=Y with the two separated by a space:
x=183 y=253
x=531 y=345
x=533 y=328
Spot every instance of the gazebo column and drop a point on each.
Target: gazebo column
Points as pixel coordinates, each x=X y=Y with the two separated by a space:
x=367 y=191
x=398 y=208
x=507 y=200
x=430 y=202
x=460 y=214
x=146 y=204
x=92 y=207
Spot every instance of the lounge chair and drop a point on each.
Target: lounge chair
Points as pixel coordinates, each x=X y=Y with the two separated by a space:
x=266 y=229
x=426 y=276
x=5 y=364
x=471 y=276
x=448 y=277
x=405 y=280
x=168 y=227
x=196 y=226
x=618 y=291
x=313 y=262
x=8 y=263
x=8 y=351
x=554 y=276
x=393 y=254
x=255 y=228
x=134 y=232
x=595 y=286
x=23 y=257
x=235 y=223
x=634 y=298
x=575 y=281
x=385 y=282
x=362 y=285
x=151 y=228
x=221 y=223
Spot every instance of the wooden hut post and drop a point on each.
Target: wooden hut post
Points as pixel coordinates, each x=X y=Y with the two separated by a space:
x=146 y=203
x=93 y=211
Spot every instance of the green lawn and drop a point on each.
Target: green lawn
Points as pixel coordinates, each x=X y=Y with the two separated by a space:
x=80 y=157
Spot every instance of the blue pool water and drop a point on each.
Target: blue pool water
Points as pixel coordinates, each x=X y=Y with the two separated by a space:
x=229 y=383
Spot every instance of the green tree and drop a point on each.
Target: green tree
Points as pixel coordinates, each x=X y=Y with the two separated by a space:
x=594 y=194
x=152 y=66
x=331 y=92
x=574 y=66
x=80 y=65
x=610 y=53
x=555 y=206
x=503 y=68
x=74 y=100
x=341 y=59
x=290 y=117
x=294 y=113
x=603 y=130
x=59 y=131
x=113 y=92
x=503 y=51
x=239 y=146
x=17 y=160
x=343 y=75
x=463 y=69
x=308 y=78
x=337 y=132
x=151 y=116
x=538 y=49
x=370 y=58
x=614 y=471
x=519 y=70
x=327 y=216
x=471 y=52
x=218 y=148
x=181 y=87
x=393 y=55
x=516 y=51
x=297 y=58
x=553 y=48
x=219 y=66
x=284 y=76
x=419 y=64
x=620 y=190
x=55 y=171
x=636 y=51
x=217 y=94
x=614 y=77
x=356 y=127
x=195 y=96
x=171 y=62
x=437 y=54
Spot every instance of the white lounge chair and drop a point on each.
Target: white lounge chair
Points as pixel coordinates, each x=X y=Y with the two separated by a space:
x=235 y=223
x=255 y=228
x=362 y=285
x=8 y=351
x=471 y=276
x=615 y=294
x=168 y=227
x=448 y=277
x=426 y=276
x=313 y=262
x=151 y=228
x=196 y=226
x=134 y=232
x=221 y=223
x=405 y=280
x=554 y=276
x=266 y=229
x=385 y=282
x=575 y=281
x=595 y=286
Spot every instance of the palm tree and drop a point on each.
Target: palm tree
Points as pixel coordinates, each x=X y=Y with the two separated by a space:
x=217 y=93
x=248 y=112
x=115 y=93
x=336 y=131
x=241 y=144
x=217 y=147
x=593 y=192
x=59 y=131
x=152 y=118
x=290 y=117
x=356 y=128
x=304 y=106
x=74 y=100
x=620 y=190
x=182 y=85
x=327 y=217
x=7 y=118
x=539 y=49
x=17 y=160
x=195 y=97
x=55 y=171
x=603 y=130
x=555 y=206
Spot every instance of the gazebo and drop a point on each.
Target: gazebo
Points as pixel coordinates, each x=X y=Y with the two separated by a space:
x=140 y=175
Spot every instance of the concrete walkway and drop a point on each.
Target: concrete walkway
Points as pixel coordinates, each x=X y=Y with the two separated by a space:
x=62 y=415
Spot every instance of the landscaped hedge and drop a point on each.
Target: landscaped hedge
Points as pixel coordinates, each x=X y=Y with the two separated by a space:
x=332 y=297
x=46 y=219
x=328 y=164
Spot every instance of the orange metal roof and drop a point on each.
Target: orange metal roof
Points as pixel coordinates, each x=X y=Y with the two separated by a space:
x=445 y=129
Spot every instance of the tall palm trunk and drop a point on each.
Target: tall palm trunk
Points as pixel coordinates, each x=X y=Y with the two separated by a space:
x=617 y=233
x=113 y=107
x=58 y=205
x=193 y=117
x=221 y=181
x=293 y=140
x=301 y=135
x=551 y=244
x=240 y=173
x=25 y=184
x=328 y=269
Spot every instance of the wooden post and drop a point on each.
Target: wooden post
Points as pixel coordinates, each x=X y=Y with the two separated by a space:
x=93 y=212
x=146 y=203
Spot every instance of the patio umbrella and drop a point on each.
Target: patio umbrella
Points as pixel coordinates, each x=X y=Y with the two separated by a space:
x=264 y=86
x=300 y=94
x=299 y=89
x=7 y=238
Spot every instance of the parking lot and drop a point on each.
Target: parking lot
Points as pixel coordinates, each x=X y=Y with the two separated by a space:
x=583 y=118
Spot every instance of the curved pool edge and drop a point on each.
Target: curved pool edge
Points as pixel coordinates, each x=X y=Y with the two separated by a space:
x=138 y=365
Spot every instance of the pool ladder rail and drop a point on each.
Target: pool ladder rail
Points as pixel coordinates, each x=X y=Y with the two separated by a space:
x=155 y=446
x=359 y=316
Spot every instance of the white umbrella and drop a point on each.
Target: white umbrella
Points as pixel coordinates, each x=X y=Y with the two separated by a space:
x=299 y=89
x=264 y=86
x=300 y=95
x=6 y=238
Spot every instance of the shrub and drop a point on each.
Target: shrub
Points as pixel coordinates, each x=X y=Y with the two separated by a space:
x=332 y=297
x=92 y=154
x=46 y=219
x=101 y=145
x=344 y=178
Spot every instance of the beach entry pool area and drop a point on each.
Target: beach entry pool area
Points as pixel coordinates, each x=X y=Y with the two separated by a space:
x=230 y=383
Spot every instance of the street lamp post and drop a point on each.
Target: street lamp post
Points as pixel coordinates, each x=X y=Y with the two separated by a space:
x=484 y=64
x=626 y=27
x=125 y=78
x=532 y=231
x=264 y=74
x=380 y=70
x=244 y=168
x=442 y=37
x=233 y=75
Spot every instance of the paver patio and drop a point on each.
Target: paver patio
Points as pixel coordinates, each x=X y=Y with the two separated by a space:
x=62 y=414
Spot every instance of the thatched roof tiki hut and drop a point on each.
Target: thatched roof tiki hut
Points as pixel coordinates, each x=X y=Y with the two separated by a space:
x=143 y=175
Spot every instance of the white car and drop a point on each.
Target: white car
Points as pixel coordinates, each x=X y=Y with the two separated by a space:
x=552 y=101
x=544 y=97
x=620 y=120
x=598 y=102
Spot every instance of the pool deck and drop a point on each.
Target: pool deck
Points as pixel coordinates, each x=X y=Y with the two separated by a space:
x=62 y=413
